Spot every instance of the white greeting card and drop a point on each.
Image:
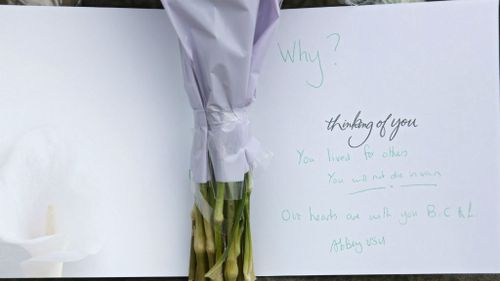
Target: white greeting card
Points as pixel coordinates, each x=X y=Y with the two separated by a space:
x=384 y=122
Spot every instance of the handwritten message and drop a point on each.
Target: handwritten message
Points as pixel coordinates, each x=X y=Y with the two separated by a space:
x=358 y=172
x=377 y=178
x=390 y=216
x=297 y=53
x=344 y=175
x=357 y=123
x=384 y=145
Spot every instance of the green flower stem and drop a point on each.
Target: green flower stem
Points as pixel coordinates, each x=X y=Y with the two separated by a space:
x=219 y=205
x=210 y=244
x=199 y=246
x=248 y=270
x=230 y=209
x=231 y=234
x=219 y=219
x=192 y=255
x=216 y=270
x=215 y=273
x=231 y=270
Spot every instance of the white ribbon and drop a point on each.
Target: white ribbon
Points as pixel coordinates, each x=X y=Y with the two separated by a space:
x=225 y=136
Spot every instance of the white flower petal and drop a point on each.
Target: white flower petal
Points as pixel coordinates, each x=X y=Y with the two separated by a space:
x=38 y=171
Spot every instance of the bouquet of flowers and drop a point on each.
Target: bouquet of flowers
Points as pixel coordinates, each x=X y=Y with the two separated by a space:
x=222 y=47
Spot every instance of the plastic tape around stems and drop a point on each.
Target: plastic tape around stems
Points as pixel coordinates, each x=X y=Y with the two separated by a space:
x=232 y=191
x=215 y=117
x=201 y=203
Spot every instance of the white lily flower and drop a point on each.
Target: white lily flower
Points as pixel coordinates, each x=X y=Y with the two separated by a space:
x=46 y=205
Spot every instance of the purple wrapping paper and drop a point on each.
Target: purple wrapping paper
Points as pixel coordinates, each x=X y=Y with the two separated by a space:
x=223 y=43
